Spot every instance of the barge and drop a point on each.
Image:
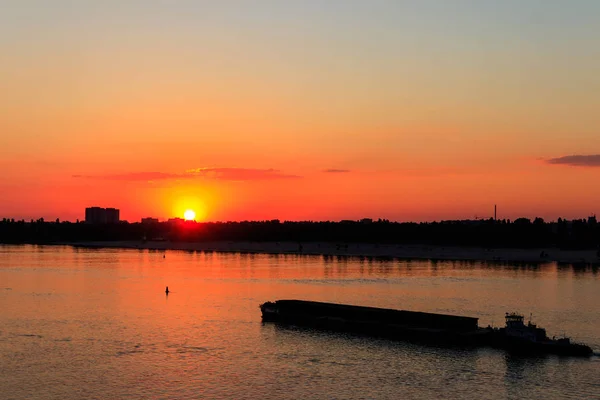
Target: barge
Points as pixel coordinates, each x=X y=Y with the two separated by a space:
x=440 y=329
x=381 y=322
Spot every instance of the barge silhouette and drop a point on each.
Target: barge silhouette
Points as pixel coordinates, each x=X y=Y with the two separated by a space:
x=439 y=329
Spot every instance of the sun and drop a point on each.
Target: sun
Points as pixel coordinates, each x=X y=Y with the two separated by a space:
x=189 y=215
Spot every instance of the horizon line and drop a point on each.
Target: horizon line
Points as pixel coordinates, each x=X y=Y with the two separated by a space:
x=360 y=220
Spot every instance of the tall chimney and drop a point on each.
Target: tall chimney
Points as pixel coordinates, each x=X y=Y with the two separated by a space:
x=495 y=213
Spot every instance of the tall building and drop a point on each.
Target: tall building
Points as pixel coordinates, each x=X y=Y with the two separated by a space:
x=95 y=215
x=99 y=215
x=112 y=215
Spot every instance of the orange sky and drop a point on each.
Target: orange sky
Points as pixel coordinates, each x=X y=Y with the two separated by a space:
x=312 y=111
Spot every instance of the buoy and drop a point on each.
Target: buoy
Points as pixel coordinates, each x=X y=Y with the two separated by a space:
x=167 y=290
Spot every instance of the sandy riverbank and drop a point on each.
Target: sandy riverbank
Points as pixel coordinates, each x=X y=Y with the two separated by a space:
x=367 y=250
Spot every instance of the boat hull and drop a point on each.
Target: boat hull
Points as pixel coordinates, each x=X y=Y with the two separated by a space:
x=519 y=346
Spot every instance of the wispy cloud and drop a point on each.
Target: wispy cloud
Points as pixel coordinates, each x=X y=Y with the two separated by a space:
x=227 y=174
x=135 y=176
x=592 y=160
x=336 y=171
x=240 y=174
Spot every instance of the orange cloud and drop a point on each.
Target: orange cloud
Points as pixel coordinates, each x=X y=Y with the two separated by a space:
x=240 y=174
x=135 y=176
x=227 y=174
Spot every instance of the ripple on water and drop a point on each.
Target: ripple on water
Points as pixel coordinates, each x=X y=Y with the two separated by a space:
x=346 y=282
x=192 y=349
x=31 y=335
x=128 y=352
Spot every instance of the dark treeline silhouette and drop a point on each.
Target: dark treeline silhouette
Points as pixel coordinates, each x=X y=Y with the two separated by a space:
x=521 y=233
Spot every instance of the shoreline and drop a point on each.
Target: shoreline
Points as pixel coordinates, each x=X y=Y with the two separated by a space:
x=369 y=250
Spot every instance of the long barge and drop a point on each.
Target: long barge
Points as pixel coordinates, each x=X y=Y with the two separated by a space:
x=434 y=328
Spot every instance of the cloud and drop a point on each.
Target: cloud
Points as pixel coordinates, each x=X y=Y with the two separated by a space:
x=577 y=160
x=135 y=176
x=336 y=171
x=226 y=174
x=240 y=174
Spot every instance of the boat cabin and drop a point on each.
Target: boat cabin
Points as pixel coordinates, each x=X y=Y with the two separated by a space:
x=516 y=328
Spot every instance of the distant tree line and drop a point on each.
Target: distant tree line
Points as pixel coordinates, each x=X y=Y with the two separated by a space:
x=520 y=233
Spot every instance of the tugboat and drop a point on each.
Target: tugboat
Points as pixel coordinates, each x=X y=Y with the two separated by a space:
x=517 y=336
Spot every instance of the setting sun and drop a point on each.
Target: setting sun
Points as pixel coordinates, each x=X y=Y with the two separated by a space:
x=189 y=215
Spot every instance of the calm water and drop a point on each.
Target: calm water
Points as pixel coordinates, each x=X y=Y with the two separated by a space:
x=77 y=323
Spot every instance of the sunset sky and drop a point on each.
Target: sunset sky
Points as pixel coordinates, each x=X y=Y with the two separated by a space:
x=322 y=110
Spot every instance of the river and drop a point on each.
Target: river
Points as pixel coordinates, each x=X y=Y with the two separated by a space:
x=80 y=323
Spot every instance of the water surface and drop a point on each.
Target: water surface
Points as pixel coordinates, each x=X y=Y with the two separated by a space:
x=87 y=323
